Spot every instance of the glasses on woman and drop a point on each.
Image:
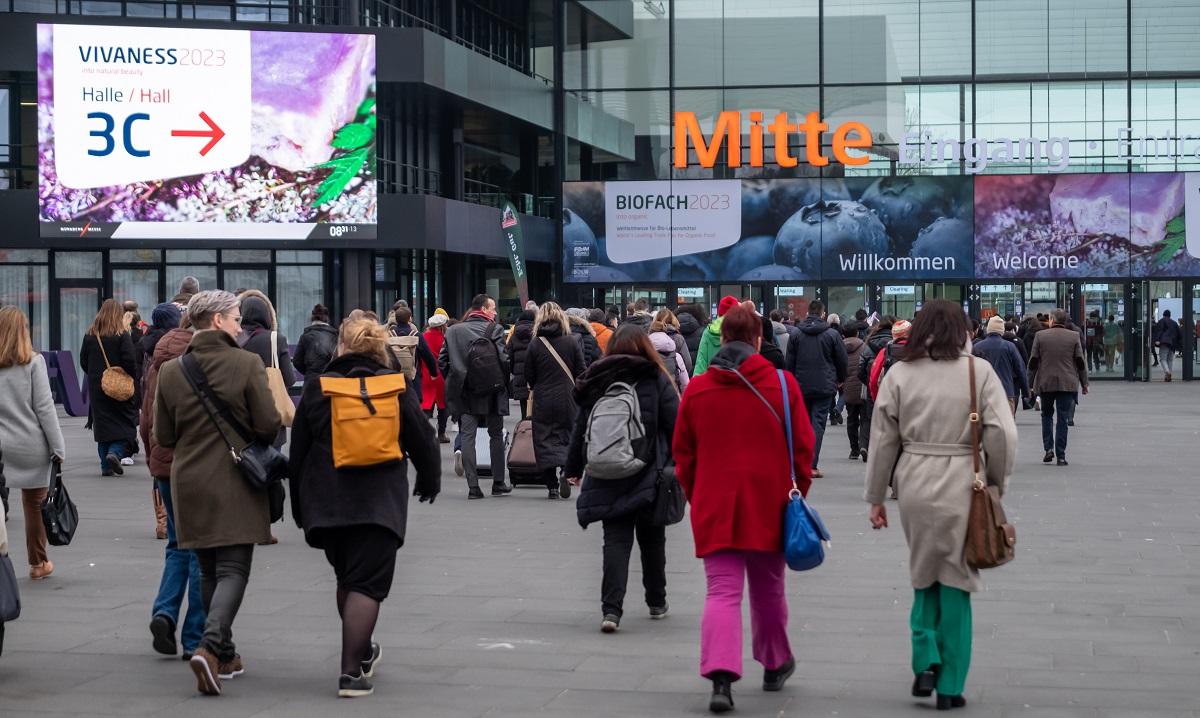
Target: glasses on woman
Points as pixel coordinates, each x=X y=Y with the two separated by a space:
x=235 y=317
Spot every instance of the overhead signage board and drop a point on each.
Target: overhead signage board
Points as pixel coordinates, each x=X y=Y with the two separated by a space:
x=205 y=134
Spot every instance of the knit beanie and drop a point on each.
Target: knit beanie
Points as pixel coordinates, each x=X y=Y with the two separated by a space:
x=166 y=316
x=900 y=329
x=726 y=304
x=577 y=312
x=996 y=325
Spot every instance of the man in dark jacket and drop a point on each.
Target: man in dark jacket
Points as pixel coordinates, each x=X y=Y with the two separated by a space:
x=873 y=344
x=472 y=408
x=403 y=328
x=1166 y=337
x=317 y=346
x=1057 y=371
x=817 y=358
x=640 y=315
x=692 y=320
x=1006 y=360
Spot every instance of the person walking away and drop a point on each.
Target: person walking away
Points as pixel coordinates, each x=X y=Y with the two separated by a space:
x=782 y=336
x=33 y=440
x=584 y=334
x=668 y=354
x=666 y=321
x=433 y=386
x=220 y=516
x=1093 y=330
x=1005 y=360
x=165 y=317
x=1167 y=337
x=625 y=507
x=921 y=441
x=770 y=351
x=878 y=337
x=3 y=543
x=602 y=331
x=1057 y=372
x=352 y=500
x=817 y=358
x=731 y=456
x=640 y=316
x=885 y=359
x=481 y=398
x=113 y=422
x=1112 y=337
x=553 y=362
x=692 y=321
x=710 y=339
x=181 y=568
x=518 y=346
x=424 y=356
x=852 y=388
x=258 y=323
x=317 y=345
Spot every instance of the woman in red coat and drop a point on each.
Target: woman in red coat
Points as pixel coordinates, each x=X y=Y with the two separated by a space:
x=731 y=458
x=433 y=390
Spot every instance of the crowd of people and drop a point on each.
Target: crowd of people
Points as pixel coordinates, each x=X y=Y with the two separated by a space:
x=708 y=396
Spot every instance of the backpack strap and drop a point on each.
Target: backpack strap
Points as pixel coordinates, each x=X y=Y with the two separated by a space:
x=558 y=358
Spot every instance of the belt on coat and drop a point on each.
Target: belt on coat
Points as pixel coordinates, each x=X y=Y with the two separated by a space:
x=923 y=448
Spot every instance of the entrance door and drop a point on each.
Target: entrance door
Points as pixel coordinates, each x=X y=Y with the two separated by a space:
x=1001 y=300
x=899 y=300
x=1098 y=302
x=846 y=300
x=1160 y=298
x=1041 y=297
x=78 y=302
x=793 y=301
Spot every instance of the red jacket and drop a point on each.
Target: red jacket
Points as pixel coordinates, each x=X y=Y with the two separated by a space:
x=433 y=391
x=731 y=454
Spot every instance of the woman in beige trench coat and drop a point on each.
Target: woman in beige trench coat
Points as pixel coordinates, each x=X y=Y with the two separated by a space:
x=921 y=437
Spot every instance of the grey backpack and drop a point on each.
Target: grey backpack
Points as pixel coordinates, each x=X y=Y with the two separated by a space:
x=616 y=439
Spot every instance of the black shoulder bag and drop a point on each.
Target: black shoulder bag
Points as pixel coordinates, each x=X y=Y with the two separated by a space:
x=262 y=465
x=59 y=515
x=669 y=501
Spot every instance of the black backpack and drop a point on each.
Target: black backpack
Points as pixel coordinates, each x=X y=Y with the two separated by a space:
x=891 y=355
x=485 y=376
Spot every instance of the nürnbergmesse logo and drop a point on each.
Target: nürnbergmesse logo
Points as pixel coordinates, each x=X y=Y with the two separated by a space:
x=913 y=148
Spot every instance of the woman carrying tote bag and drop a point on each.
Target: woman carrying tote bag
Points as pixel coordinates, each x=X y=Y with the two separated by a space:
x=554 y=359
x=921 y=438
x=108 y=349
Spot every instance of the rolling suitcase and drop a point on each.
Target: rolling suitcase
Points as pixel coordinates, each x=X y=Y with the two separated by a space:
x=522 y=464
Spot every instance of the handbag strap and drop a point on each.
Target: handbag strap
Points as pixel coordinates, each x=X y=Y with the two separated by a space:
x=274 y=350
x=199 y=383
x=102 y=352
x=974 y=419
x=558 y=358
x=785 y=422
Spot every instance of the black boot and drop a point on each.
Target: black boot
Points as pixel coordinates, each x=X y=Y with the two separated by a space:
x=924 y=683
x=945 y=703
x=722 y=693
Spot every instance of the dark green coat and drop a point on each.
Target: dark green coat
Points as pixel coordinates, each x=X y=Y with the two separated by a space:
x=214 y=506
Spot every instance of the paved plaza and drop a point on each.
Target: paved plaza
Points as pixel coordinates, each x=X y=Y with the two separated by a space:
x=495 y=608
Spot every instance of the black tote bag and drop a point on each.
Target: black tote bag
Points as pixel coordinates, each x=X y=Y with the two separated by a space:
x=10 y=595
x=59 y=515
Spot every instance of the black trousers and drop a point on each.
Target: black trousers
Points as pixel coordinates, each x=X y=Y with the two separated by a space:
x=224 y=573
x=619 y=534
x=854 y=413
x=864 y=428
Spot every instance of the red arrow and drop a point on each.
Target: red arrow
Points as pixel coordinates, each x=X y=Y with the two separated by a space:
x=216 y=133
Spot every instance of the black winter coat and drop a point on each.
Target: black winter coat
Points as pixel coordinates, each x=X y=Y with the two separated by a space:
x=144 y=351
x=553 y=411
x=601 y=499
x=874 y=344
x=324 y=497
x=112 y=420
x=817 y=358
x=518 y=346
x=692 y=333
x=591 y=347
x=316 y=348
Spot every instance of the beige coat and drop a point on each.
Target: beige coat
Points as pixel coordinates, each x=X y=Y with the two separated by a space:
x=921 y=427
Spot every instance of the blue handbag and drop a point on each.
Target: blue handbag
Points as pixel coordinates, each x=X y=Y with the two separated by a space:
x=803 y=530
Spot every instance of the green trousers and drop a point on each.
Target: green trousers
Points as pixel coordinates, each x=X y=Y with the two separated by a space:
x=941 y=635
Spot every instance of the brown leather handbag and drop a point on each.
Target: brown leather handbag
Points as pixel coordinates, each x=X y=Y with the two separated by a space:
x=114 y=382
x=991 y=540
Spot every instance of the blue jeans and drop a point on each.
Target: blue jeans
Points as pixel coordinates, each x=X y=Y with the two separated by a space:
x=112 y=447
x=1056 y=437
x=181 y=573
x=818 y=414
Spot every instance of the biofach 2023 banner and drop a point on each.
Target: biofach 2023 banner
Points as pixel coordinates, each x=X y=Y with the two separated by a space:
x=180 y=132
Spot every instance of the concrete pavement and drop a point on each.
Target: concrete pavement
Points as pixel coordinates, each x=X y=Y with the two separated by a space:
x=495 y=608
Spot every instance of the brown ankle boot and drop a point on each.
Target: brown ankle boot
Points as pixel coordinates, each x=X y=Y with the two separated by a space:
x=160 y=514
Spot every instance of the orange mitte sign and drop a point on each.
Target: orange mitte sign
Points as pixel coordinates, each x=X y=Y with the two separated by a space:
x=728 y=130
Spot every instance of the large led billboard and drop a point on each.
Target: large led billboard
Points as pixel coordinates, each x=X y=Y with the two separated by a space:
x=205 y=134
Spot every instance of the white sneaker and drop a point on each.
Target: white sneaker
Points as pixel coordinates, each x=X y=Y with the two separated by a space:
x=458 y=467
x=127 y=461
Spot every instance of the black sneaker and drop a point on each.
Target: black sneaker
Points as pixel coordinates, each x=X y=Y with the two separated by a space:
x=368 y=666
x=553 y=494
x=1062 y=462
x=854 y=455
x=114 y=463
x=107 y=473
x=564 y=487
x=610 y=624
x=660 y=612
x=1048 y=457
x=354 y=686
x=164 y=635
x=187 y=655
x=773 y=680
x=475 y=493
x=1070 y=422
x=498 y=490
x=722 y=692
x=863 y=454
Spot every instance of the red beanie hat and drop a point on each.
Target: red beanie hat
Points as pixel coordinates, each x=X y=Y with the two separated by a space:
x=726 y=304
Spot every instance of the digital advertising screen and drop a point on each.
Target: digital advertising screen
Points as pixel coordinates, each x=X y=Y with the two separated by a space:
x=205 y=134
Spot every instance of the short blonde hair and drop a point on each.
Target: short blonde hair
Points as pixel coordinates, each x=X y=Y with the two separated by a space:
x=365 y=336
x=550 y=313
x=16 y=348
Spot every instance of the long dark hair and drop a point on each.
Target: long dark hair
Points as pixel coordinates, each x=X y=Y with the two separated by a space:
x=885 y=323
x=631 y=340
x=939 y=331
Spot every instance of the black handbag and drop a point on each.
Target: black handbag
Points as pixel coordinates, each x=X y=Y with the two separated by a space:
x=10 y=595
x=260 y=463
x=669 y=501
x=59 y=515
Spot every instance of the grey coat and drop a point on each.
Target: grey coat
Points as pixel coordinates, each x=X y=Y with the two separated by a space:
x=452 y=364
x=28 y=425
x=921 y=436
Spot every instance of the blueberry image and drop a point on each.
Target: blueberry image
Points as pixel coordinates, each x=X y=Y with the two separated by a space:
x=950 y=241
x=579 y=242
x=906 y=205
x=586 y=199
x=821 y=237
x=692 y=267
x=789 y=195
x=757 y=217
x=651 y=270
x=774 y=272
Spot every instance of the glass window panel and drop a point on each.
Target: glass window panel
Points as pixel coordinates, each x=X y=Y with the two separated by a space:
x=945 y=40
x=132 y=256
x=650 y=115
x=146 y=9
x=78 y=265
x=598 y=56
x=752 y=33
x=298 y=256
x=77 y=308
x=205 y=274
x=111 y=9
x=140 y=285
x=1164 y=35
x=236 y=279
x=246 y=256
x=1087 y=36
x=1011 y=37
x=197 y=256
x=865 y=38
x=23 y=255
x=699 y=49
x=298 y=288
x=26 y=288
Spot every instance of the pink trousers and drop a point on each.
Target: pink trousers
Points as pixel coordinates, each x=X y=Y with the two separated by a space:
x=721 y=626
